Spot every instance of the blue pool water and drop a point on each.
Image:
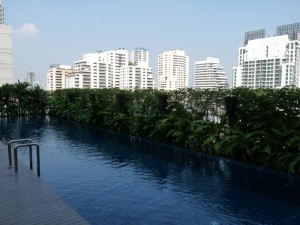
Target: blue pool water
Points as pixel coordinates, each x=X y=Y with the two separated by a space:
x=114 y=179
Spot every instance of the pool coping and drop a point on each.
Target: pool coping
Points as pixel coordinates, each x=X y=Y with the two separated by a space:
x=26 y=199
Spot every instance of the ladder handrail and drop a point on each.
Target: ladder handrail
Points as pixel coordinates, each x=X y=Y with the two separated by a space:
x=30 y=149
x=9 y=150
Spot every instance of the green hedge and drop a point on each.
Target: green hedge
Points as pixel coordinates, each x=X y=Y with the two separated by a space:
x=264 y=130
x=20 y=99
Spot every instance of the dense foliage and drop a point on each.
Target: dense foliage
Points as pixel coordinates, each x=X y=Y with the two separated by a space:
x=263 y=129
x=20 y=99
x=257 y=126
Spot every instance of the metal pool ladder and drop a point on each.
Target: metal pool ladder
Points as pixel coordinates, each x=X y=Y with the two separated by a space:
x=28 y=143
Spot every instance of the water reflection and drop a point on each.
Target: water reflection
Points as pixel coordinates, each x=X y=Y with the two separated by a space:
x=135 y=177
x=22 y=127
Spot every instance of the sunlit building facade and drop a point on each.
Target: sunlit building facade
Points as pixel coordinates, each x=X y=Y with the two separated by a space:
x=173 y=70
x=57 y=76
x=209 y=74
x=116 y=58
x=137 y=74
x=110 y=69
x=6 y=50
x=136 y=77
x=140 y=56
x=91 y=72
x=271 y=62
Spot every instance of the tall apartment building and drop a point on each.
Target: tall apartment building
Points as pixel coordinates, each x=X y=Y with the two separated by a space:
x=100 y=69
x=140 y=56
x=173 y=70
x=6 y=50
x=116 y=58
x=138 y=75
x=57 y=76
x=209 y=74
x=91 y=72
x=271 y=62
x=115 y=71
x=105 y=70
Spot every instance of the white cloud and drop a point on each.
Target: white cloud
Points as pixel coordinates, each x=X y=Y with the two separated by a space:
x=27 y=30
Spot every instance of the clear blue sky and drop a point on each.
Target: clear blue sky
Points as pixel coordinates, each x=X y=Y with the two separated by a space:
x=61 y=31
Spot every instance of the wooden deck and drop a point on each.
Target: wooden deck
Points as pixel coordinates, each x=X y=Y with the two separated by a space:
x=26 y=199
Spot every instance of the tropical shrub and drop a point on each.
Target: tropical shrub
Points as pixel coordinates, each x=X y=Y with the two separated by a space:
x=21 y=99
x=265 y=130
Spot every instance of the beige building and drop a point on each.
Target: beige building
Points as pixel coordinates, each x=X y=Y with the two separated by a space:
x=57 y=77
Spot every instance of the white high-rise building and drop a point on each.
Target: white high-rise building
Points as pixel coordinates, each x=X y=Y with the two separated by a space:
x=271 y=62
x=6 y=50
x=136 y=77
x=57 y=77
x=209 y=74
x=91 y=72
x=140 y=56
x=111 y=69
x=116 y=58
x=237 y=76
x=138 y=74
x=173 y=70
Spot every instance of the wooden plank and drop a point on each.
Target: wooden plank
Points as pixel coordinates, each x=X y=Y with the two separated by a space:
x=26 y=199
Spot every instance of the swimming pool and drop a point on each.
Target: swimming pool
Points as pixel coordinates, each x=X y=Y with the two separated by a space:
x=114 y=179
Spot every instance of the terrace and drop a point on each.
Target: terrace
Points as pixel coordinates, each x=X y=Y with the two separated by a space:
x=26 y=199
